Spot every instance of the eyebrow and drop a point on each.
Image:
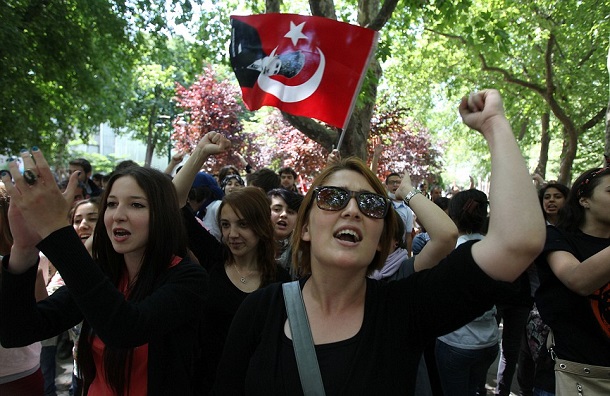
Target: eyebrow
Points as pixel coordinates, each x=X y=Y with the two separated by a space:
x=131 y=197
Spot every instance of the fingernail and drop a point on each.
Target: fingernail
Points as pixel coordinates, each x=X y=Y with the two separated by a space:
x=34 y=148
x=24 y=150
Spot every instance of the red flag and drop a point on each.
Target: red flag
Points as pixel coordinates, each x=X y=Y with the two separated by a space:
x=304 y=65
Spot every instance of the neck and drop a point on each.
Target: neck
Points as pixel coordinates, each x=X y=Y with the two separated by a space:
x=133 y=265
x=596 y=229
x=552 y=218
x=245 y=263
x=335 y=291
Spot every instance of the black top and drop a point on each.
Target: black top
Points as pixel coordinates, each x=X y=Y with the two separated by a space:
x=400 y=319
x=168 y=320
x=220 y=307
x=581 y=325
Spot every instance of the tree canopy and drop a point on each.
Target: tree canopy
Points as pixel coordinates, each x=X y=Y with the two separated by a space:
x=66 y=67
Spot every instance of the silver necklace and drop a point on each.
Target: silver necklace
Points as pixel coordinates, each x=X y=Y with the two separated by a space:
x=242 y=278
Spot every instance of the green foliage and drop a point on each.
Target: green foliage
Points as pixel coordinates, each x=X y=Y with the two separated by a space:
x=66 y=66
x=441 y=59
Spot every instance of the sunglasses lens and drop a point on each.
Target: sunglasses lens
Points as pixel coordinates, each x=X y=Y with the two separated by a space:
x=373 y=205
x=329 y=198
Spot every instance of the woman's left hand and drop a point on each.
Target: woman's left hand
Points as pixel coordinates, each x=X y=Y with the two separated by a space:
x=405 y=186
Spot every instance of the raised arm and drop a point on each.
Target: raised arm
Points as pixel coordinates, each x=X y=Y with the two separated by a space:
x=442 y=230
x=376 y=155
x=211 y=143
x=516 y=232
x=333 y=158
x=581 y=277
x=173 y=162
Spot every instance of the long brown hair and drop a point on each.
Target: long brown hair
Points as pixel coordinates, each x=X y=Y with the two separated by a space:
x=301 y=253
x=164 y=221
x=253 y=206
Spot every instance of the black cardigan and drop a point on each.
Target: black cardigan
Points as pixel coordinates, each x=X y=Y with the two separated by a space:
x=168 y=320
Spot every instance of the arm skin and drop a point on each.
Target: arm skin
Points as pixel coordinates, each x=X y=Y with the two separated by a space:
x=211 y=143
x=516 y=232
x=581 y=277
x=333 y=158
x=173 y=163
x=376 y=155
x=442 y=230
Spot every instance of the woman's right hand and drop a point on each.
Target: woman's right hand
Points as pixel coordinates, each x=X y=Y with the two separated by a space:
x=333 y=158
x=480 y=109
x=37 y=208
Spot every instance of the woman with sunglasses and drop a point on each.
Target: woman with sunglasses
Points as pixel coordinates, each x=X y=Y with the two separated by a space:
x=574 y=272
x=369 y=335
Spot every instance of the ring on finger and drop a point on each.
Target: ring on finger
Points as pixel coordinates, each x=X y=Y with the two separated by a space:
x=30 y=177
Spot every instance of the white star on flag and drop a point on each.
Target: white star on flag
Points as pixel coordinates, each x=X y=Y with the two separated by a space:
x=296 y=33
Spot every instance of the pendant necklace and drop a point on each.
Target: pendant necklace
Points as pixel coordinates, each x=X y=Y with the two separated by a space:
x=242 y=278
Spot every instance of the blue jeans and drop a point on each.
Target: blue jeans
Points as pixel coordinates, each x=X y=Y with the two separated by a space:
x=48 y=368
x=540 y=392
x=514 y=318
x=464 y=371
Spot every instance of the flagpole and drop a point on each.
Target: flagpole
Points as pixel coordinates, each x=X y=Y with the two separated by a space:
x=341 y=138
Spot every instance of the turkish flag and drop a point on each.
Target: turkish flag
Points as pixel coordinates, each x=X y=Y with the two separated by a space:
x=304 y=65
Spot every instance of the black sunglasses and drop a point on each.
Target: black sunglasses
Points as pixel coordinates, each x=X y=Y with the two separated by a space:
x=336 y=198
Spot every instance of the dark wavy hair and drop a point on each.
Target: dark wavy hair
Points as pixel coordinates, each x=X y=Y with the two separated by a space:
x=468 y=210
x=224 y=171
x=293 y=199
x=164 y=220
x=572 y=215
x=252 y=205
x=564 y=190
x=301 y=252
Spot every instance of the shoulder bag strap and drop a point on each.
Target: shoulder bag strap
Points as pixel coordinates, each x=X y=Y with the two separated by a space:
x=550 y=344
x=302 y=341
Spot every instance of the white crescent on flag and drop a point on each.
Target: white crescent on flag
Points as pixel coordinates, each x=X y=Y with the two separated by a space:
x=292 y=93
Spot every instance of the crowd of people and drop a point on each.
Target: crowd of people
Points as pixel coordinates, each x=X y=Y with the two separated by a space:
x=175 y=281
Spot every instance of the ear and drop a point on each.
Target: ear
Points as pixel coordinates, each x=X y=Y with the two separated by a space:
x=305 y=236
x=584 y=202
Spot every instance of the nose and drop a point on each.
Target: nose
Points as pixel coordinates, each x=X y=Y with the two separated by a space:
x=352 y=208
x=119 y=213
x=233 y=232
x=83 y=224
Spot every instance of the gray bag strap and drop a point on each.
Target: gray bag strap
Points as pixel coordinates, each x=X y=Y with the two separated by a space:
x=302 y=341
x=550 y=344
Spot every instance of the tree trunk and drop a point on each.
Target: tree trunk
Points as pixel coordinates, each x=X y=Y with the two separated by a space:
x=150 y=145
x=545 y=139
x=568 y=154
x=359 y=127
x=607 y=143
x=374 y=16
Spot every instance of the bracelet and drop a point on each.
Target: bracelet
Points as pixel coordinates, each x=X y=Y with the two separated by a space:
x=410 y=195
